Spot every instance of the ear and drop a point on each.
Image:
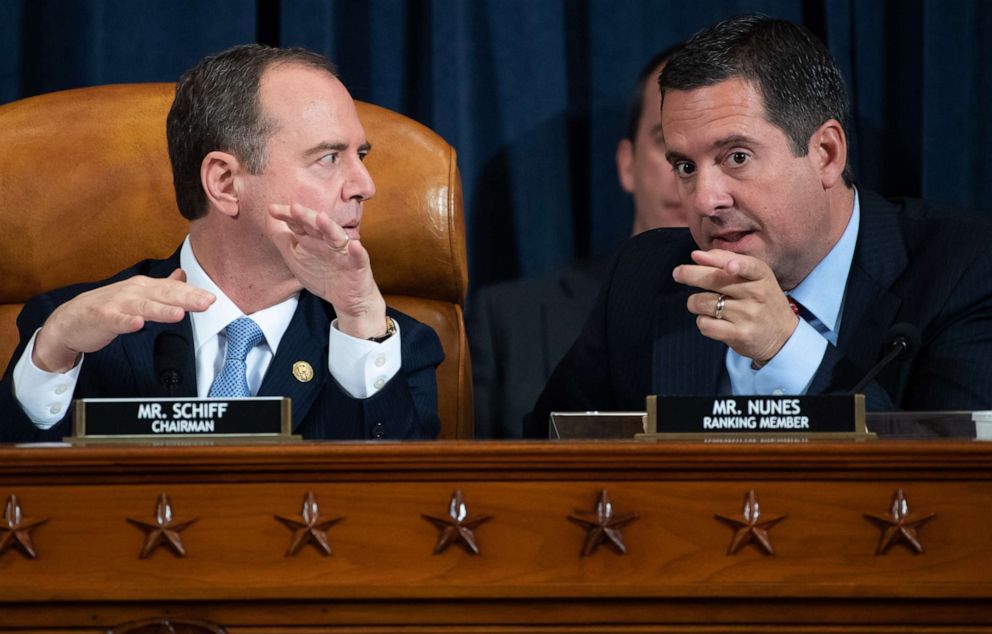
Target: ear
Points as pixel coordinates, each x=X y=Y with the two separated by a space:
x=219 y=174
x=828 y=150
x=625 y=165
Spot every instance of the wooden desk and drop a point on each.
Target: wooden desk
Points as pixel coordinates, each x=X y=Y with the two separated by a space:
x=382 y=575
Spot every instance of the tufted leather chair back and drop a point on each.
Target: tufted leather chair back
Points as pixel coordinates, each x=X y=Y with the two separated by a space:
x=86 y=190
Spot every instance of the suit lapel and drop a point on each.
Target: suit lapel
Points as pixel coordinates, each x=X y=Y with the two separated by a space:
x=557 y=340
x=685 y=362
x=305 y=341
x=564 y=314
x=880 y=258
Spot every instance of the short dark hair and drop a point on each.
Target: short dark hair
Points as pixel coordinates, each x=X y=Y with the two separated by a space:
x=635 y=105
x=789 y=67
x=217 y=108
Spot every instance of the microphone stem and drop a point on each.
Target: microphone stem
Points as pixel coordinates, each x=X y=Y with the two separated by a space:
x=899 y=346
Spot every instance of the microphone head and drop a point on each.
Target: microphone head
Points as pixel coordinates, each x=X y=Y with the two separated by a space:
x=171 y=353
x=901 y=340
x=904 y=335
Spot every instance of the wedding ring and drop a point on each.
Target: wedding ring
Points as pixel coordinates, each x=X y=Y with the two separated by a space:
x=720 y=303
x=344 y=247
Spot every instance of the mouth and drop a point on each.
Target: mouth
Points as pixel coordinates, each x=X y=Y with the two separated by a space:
x=352 y=228
x=737 y=241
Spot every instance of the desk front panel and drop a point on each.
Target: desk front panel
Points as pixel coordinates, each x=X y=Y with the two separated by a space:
x=677 y=570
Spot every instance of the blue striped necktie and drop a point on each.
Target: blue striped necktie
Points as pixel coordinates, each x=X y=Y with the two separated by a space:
x=243 y=334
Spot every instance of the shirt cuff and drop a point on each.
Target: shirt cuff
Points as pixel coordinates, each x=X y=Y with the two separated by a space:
x=44 y=396
x=362 y=367
x=792 y=369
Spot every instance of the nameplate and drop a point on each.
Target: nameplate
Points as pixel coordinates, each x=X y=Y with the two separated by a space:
x=702 y=416
x=126 y=418
x=596 y=425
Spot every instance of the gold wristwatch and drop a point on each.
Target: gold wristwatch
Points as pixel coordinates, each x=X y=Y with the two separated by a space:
x=390 y=331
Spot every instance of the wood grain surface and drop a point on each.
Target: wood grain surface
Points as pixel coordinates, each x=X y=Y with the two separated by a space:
x=382 y=575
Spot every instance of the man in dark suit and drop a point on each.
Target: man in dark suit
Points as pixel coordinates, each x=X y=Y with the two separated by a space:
x=519 y=330
x=270 y=294
x=789 y=280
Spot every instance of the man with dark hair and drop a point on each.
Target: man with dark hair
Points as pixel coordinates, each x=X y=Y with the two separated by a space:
x=519 y=330
x=217 y=105
x=789 y=280
x=643 y=170
x=272 y=290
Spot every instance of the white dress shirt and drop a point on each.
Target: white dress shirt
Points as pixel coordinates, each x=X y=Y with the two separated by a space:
x=360 y=367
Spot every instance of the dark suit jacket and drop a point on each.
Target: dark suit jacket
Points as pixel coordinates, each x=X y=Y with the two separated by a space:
x=405 y=408
x=912 y=264
x=518 y=332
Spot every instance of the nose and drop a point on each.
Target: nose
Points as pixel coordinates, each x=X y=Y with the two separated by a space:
x=358 y=184
x=711 y=194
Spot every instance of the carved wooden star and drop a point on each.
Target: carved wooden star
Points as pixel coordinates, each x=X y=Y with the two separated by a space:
x=602 y=525
x=750 y=527
x=164 y=530
x=313 y=528
x=899 y=525
x=15 y=529
x=457 y=527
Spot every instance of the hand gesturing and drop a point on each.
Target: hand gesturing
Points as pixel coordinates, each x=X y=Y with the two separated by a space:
x=755 y=319
x=331 y=265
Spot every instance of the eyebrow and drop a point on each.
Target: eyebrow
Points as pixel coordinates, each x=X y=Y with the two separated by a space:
x=336 y=147
x=674 y=157
x=727 y=141
x=735 y=139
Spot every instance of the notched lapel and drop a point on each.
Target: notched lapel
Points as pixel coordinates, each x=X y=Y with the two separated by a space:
x=564 y=312
x=880 y=259
x=874 y=309
x=305 y=340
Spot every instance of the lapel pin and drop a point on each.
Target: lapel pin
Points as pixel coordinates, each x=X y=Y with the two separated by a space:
x=302 y=371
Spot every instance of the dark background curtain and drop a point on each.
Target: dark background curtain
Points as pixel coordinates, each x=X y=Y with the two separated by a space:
x=532 y=92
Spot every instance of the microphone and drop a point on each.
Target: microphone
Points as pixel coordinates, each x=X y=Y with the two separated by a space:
x=903 y=341
x=171 y=352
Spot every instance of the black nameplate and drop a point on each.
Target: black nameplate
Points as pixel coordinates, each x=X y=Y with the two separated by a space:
x=834 y=415
x=121 y=418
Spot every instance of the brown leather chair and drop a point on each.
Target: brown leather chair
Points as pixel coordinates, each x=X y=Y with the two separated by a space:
x=86 y=190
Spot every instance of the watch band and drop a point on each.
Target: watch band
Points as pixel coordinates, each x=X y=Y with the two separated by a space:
x=390 y=331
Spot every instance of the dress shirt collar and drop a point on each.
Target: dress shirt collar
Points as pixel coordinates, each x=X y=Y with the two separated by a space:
x=273 y=320
x=822 y=292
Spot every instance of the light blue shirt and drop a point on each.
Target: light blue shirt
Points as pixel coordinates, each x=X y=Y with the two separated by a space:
x=821 y=294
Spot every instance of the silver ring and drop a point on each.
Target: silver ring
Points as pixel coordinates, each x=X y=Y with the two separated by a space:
x=344 y=247
x=721 y=302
